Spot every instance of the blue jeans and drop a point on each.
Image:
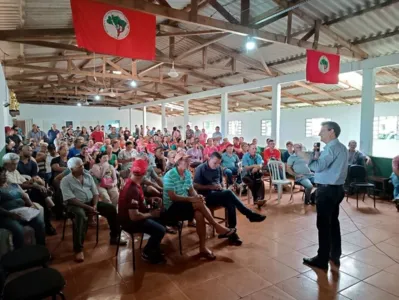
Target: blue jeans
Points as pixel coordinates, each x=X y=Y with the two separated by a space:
x=17 y=230
x=307 y=183
x=395 y=182
x=229 y=172
x=152 y=228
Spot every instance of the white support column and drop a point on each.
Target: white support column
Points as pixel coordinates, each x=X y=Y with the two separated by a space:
x=367 y=111
x=223 y=115
x=186 y=118
x=276 y=110
x=145 y=120
x=164 y=123
x=130 y=119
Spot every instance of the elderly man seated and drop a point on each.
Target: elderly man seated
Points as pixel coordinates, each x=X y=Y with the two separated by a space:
x=356 y=157
x=395 y=180
x=135 y=217
x=230 y=162
x=13 y=197
x=208 y=182
x=181 y=202
x=81 y=196
x=252 y=175
x=32 y=183
x=298 y=167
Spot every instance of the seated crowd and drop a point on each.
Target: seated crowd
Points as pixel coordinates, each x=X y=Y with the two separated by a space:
x=145 y=180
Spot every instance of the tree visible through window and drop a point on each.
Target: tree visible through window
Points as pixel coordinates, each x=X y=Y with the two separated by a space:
x=313 y=126
x=386 y=128
x=266 y=127
x=234 y=128
x=209 y=127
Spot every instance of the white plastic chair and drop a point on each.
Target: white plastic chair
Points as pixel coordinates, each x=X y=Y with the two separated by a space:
x=274 y=167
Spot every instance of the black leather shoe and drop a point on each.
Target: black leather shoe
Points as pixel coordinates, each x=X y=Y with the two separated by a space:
x=50 y=230
x=255 y=217
x=235 y=240
x=316 y=263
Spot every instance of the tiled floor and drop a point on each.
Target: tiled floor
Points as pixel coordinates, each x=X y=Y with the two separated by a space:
x=267 y=266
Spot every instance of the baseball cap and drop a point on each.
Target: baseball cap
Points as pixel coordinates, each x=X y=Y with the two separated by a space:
x=139 y=166
x=181 y=155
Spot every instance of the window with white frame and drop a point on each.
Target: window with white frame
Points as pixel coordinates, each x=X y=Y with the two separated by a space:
x=313 y=126
x=386 y=128
x=235 y=128
x=266 y=127
x=209 y=127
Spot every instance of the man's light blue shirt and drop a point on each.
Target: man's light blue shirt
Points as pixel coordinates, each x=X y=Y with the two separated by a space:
x=332 y=165
x=248 y=160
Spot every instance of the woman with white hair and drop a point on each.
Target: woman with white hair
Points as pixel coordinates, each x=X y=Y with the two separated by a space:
x=36 y=192
x=13 y=197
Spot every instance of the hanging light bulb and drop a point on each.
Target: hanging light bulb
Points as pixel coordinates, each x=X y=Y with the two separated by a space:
x=97 y=97
x=79 y=104
x=112 y=94
x=133 y=83
x=173 y=73
x=237 y=104
x=250 y=44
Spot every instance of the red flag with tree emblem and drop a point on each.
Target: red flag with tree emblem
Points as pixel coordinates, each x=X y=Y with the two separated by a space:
x=113 y=30
x=322 y=67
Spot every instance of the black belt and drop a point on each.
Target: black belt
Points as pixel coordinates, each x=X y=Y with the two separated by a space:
x=329 y=185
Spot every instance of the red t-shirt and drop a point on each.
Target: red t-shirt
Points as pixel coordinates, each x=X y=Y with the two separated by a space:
x=131 y=191
x=97 y=136
x=151 y=148
x=269 y=153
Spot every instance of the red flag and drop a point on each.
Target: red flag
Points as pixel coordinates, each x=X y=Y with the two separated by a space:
x=113 y=30
x=322 y=67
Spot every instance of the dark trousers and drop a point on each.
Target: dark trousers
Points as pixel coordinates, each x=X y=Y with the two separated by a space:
x=256 y=185
x=150 y=227
x=328 y=199
x=58 y=200
x=36 y=196
x=106 y=210
x=17 y=230
x=229 y=200
x=229 y=172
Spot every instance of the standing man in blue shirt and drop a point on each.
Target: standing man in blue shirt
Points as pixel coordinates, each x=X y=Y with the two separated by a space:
x=52 y=134
x=330 y=168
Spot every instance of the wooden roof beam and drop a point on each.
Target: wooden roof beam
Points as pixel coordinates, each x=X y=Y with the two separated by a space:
x=182 y=16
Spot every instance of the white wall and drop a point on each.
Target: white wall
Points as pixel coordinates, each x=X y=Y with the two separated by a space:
x=45 y=115
x=4 y=115
x=293 y=124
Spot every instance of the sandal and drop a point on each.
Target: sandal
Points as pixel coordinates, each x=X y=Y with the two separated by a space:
x=207 y=255
x=170 y=230
x=192 y=224
x=227 y=234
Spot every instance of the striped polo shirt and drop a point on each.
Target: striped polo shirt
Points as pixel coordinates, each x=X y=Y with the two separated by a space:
x=172 y=181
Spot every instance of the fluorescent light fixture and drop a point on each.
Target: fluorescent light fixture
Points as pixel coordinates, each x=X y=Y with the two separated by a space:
x=250 y=44
x=352 y=79
x=97 y=97
x=79 y=104
x=133 y=83
x=173 y=106
x=117 y=72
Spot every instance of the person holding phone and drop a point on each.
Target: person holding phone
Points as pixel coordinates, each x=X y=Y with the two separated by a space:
x=330 y=168
x=135 y=217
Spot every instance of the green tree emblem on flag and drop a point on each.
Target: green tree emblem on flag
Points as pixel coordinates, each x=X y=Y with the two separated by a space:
x=118 y=23
x=324 y=64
